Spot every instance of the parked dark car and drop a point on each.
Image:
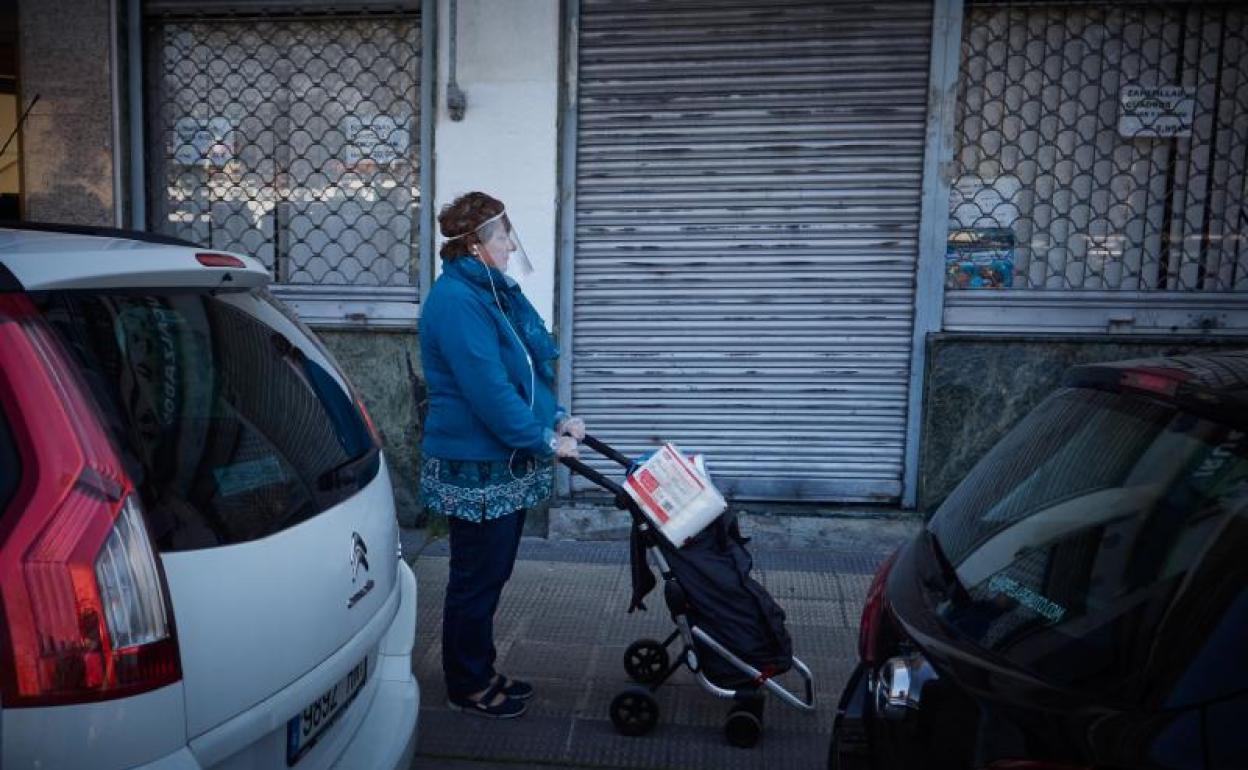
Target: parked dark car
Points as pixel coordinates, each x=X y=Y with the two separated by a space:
x=1081 y=599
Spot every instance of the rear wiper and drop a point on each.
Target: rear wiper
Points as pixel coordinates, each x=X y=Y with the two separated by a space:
x=950 y=584
x=349 y=473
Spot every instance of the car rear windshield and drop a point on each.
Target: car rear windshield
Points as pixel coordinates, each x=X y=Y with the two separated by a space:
x=1100 y=545
x=234 y=423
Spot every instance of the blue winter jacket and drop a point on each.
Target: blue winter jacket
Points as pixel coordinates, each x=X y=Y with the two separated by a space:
x=489 y=392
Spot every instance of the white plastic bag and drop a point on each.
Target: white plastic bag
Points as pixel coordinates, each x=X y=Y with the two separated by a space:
x=676 y=494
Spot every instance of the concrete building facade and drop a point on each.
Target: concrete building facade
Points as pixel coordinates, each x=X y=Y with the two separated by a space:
x=839 y=247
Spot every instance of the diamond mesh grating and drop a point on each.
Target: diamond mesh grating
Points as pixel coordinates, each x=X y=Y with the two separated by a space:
x=1069 y=173
x=295 y=141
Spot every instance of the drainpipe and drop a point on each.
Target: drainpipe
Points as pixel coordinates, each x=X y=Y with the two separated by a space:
x=134 y=72
x=114 y=65
x=456 y=100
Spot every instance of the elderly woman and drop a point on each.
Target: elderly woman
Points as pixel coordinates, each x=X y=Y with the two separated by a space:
x=492 y=431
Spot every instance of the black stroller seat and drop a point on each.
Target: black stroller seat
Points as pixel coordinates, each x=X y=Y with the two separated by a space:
x=732 y=631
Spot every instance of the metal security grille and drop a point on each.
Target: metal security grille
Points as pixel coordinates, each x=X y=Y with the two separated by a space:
x=293 y=140
x=1102 y=147
x=747 y=209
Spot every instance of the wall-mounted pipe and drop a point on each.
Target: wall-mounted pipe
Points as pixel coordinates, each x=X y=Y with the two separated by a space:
x=134 y=102
x=114 y=65
x=456 y=99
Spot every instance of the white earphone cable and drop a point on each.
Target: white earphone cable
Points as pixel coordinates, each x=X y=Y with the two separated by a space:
x=527 y=357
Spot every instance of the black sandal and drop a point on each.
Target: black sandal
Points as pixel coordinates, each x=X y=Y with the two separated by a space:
x=508 y=708
x=514 y=688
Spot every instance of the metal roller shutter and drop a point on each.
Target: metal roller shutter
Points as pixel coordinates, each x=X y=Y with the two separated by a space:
x=747 y=215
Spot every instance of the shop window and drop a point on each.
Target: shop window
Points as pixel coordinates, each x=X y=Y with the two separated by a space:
x=1101 y=150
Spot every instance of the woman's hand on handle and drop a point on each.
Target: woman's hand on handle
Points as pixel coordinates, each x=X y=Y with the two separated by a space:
x=566 y=447
x=571 y=426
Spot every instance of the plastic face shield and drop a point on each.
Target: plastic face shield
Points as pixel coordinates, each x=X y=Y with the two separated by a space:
x=501 y=246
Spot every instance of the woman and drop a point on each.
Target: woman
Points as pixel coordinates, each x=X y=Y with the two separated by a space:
x=491 y=432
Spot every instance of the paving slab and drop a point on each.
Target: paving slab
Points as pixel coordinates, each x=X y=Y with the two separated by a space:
x=563 y=625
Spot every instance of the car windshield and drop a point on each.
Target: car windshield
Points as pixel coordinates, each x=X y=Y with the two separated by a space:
x=233 y=422
x=1099 y=546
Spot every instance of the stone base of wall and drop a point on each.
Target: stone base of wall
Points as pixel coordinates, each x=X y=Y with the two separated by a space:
x=978 y=386
x=377 y=364
x=67 y=139
x=829 y=531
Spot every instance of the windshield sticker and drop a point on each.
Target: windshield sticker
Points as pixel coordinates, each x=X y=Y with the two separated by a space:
x=1046 y=608
x=248 y=475
x=1220 y=456
x=166 y=323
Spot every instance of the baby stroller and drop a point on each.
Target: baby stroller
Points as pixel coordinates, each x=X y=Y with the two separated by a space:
x=732 y=632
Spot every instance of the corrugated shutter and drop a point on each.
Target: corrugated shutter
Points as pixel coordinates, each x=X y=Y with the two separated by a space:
x=748 y=189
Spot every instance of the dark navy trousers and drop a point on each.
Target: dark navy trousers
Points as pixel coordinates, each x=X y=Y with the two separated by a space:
x=482 y=556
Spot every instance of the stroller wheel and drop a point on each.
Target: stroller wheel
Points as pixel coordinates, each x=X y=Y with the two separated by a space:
x=646 y=661
x=744 y=726
x=634 y=712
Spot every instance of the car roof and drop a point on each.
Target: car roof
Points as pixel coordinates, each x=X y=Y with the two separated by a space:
x=104 y=232
x=1215 y=384
x=1222 y=372
x=38 y=257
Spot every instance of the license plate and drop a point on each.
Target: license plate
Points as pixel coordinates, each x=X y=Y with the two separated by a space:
x=304 y=730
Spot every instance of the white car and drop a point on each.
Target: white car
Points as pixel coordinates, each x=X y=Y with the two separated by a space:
x=199 y=559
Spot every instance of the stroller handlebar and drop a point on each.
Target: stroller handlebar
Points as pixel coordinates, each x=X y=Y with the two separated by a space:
x=606 y=451
x=622 y=500
x=593 y=475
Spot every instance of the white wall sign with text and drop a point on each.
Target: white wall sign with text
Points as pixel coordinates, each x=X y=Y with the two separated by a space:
x=1156 y=112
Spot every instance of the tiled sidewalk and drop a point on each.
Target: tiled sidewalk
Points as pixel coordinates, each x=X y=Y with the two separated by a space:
x=563 y=625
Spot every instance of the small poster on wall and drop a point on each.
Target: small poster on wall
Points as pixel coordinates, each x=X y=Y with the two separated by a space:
x=980 y=258
x=1156 y=112
x=382 y=139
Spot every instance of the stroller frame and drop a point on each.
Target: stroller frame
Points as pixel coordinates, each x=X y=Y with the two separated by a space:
x=689 y=657
x=677 y=605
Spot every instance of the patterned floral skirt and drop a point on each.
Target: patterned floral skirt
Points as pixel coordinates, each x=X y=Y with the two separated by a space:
x=476 y=490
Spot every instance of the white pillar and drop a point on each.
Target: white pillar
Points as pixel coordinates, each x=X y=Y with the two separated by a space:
x=508 y=67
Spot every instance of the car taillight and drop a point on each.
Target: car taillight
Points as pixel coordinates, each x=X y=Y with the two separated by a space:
x=871 y=627
x=219 y=260
x=84 y=615
x=1165 y=382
